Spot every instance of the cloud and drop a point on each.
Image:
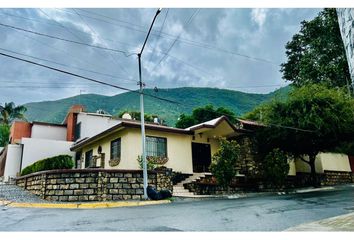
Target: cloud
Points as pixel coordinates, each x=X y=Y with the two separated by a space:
x=259 y=16
x=215 y=50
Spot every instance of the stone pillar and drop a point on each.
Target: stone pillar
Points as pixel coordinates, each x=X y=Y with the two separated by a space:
x=164 y=179
x=102 y=191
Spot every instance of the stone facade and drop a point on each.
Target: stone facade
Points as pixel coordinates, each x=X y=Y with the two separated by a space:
x=93 y=184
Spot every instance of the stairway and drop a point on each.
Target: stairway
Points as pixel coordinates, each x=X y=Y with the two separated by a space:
x=180 y=191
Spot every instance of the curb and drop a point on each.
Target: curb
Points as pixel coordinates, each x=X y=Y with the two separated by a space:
x=82 y=205
x=325 y=224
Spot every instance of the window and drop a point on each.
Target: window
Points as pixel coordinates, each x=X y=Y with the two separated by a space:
x=78 y=160
x=77 y=132
x=115 y=149
x=88 y=158
x=156 y=147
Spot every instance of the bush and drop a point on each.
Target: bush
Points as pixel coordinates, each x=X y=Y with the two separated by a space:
x=57 y=162
x=150 y=165
x=276 y=168
x=223 y=165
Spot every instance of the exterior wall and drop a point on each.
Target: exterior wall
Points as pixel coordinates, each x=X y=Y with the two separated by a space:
x=70 y=120
x=13 y=161
x=92 y=124
x=346 y=25
x=93 y=184
x=179 y=150
x=326 y=162
x=38 y=149
x=19 y=130
x=49 y=132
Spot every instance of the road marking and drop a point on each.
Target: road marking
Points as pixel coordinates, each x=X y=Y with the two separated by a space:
x=83 y=205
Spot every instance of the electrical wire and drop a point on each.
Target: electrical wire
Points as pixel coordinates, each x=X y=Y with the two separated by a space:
x=174 y=42
x=126 y=54
x=68 y=66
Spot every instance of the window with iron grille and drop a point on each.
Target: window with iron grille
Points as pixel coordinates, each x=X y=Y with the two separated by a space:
x=115 y=149
x=88 y=158
x=156 y=146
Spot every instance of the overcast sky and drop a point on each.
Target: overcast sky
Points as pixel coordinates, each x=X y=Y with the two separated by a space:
x=238 y=49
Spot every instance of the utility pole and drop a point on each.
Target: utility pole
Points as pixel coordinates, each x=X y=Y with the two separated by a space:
x=141 y=85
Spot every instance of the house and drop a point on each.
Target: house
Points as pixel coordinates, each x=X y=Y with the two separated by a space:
x=184 y=150
x=33 y=141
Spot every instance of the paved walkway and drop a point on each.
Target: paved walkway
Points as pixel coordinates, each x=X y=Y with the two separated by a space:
x=14 y=193
x=337 y=224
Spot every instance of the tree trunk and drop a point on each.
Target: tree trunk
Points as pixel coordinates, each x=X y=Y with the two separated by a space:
x=312 y=159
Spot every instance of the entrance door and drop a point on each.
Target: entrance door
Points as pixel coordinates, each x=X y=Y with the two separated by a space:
x=201 y=156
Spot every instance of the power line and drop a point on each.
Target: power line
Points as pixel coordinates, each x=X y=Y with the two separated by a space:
x=65 y=65
x=118 y=87
x=92 y=30
x=183 y=40
x=126 y=54
x=83 y=77
x=174 y=42
x=158 y=37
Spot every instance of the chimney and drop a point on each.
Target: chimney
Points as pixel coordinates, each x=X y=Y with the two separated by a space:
x=71 y=120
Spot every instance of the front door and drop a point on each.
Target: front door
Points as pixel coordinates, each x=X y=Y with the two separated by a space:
x=201 y=156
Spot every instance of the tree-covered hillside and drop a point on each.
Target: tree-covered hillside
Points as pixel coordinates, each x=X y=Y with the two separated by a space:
x=239 y=102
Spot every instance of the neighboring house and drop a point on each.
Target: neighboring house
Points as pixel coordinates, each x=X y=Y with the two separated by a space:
x=30 y=142
x=184 y=150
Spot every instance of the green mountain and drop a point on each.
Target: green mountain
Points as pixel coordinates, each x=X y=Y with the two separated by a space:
x=189 y=98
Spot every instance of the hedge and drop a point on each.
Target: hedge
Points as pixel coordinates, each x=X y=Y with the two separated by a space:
x=57 y=162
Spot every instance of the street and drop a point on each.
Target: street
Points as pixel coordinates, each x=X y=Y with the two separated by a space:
x=262 y=213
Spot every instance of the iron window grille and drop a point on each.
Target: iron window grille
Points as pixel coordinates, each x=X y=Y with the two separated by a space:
x=156 y=146
x=88 y=158
x=116 y=148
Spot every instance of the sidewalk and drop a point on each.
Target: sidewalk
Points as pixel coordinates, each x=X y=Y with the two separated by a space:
x=343 y=223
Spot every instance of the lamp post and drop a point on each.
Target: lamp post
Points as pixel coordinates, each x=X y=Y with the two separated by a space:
x=141 y=87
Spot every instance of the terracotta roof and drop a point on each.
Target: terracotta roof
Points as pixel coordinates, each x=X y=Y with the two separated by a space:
x=250 y=122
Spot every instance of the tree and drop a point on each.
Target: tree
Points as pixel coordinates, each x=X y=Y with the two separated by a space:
x=275 y=167
x=9 y=112
x=223 y=165
x=4 y=134
x=313 y=119
x=203 y=114
x=316 y=54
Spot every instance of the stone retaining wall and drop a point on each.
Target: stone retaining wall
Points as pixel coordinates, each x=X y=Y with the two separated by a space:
x=93 y=184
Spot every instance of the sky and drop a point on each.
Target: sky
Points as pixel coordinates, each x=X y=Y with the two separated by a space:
x=238 y=49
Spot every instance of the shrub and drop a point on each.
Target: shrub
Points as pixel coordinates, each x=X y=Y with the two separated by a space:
x=57 y=162
x=150 y=165
x=276 y=168
x=223 y=165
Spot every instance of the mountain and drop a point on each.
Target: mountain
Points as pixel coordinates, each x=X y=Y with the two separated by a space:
x=190 y=98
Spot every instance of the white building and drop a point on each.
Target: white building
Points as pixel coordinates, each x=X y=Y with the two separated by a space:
x=30 y=142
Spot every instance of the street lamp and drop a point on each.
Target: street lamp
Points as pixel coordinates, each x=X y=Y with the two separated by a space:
x=141 y=85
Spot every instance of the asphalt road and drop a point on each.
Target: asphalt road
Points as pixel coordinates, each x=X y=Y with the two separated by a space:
x=266 y=213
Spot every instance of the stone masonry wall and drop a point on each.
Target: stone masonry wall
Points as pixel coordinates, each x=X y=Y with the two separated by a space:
x=93 y=184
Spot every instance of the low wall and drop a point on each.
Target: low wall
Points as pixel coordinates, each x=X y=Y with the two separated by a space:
x=93 y=184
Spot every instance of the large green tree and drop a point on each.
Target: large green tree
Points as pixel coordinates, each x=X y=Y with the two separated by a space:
x=203 y=114
x=10 y=112
x=316 y=54
x=313 y=119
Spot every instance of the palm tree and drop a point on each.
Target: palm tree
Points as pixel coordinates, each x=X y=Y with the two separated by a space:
x=10 y=112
